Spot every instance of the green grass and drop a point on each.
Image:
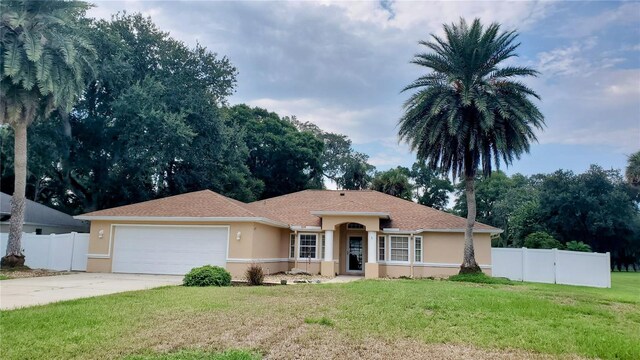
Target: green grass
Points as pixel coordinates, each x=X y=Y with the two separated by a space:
x=320 y=321
x=481 y=278
x=3 y=277
x=199 y=355
x=537 y=318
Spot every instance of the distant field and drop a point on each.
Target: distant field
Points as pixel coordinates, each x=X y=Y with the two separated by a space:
x=368 y=319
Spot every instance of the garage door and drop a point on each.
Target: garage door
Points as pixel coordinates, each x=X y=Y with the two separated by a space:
x=168 y=249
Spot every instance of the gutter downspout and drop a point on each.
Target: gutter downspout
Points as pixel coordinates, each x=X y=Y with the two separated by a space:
x=411 y=241
x=296 y=248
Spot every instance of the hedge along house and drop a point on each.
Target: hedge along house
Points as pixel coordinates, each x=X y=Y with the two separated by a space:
x=321 y=231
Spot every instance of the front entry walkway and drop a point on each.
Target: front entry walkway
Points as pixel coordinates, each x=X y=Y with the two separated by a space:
x=343 y=279
x=16 y=293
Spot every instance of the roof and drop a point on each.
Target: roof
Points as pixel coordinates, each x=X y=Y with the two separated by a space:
x=303 y=208
x=298 y=208
x=194 y=206
x=38 y=214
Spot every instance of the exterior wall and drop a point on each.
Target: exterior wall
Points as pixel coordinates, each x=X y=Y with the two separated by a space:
x=448 y=248
x=101 y=249
x=312 y=267
x=269 y=246
x=441 y=256
x=267 y=243
x=371 y=223
x=238 y=270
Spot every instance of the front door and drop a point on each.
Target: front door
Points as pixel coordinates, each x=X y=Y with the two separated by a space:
x=354 y=254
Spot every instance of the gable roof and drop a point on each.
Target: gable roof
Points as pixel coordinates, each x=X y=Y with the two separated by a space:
x=193 y=206
x=303 y=208
x=299 y=208
x=38 y=214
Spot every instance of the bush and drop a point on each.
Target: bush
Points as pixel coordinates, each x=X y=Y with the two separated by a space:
x=541 y=240
x=480 y=278
x=207 y=276
x=578 y=246
x=255 y=275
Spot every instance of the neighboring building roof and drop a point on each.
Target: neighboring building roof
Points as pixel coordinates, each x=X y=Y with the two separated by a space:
x=302 y=208
x=298 y=208
x=38 y=214
x=194 y=206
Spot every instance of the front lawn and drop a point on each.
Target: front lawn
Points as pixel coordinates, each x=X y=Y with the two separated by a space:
x=366 y=319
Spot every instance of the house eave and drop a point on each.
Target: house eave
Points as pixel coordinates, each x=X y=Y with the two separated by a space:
x=261 y=220
x=381 y=215
x=475 y=231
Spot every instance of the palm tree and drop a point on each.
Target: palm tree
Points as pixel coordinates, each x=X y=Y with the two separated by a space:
x=468 y=112
x=44 y=62
x=632 y=172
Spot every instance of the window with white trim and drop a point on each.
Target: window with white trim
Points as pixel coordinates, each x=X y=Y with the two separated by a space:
x=418 y=248
x=355 y=226
x=292 y=245
x=399 y=248
x=322 y=246
x=381 y=248
x=307 y=246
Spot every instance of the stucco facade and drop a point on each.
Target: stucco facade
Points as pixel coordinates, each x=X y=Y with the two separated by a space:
x=321 y=232
x=271 y=248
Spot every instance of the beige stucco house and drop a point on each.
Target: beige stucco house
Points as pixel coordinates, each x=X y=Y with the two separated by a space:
x=321 y=231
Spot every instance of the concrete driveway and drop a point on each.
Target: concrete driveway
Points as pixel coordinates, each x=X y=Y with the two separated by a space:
x=16 y=293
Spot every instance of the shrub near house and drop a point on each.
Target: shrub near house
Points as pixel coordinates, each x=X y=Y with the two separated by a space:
x=207 y=276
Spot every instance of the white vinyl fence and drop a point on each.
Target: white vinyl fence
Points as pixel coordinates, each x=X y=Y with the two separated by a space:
x=552 y=266
x=64 y=252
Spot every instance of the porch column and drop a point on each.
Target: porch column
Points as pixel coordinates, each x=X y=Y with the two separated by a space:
x=371 y=270
x=371 y=258
x=328 y=245
x=327 y=267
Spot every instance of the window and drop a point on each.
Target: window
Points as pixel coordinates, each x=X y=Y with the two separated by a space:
x=307 y=246
x=38 y=231
x=418 y=249
x=292 y=245
x=381 y=248
x=399 y=246
x=355 y=226
x=322 y=246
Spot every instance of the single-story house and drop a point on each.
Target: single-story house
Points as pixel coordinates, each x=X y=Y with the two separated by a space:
x=40 y=219
x=321 y=231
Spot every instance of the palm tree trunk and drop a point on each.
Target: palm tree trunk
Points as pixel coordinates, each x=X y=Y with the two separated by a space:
x=469 y=265
x=14 y=255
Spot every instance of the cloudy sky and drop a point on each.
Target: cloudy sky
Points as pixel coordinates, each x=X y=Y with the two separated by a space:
x=342 y=65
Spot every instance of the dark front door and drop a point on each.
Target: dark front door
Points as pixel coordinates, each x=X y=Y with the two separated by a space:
x=354 y=263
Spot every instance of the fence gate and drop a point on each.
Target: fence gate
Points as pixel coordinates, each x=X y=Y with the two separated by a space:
x=63 y=252
x=552 y=266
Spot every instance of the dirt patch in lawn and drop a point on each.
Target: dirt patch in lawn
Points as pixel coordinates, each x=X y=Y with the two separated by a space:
x=278 y=330
x=288 y=340
x=28 y=273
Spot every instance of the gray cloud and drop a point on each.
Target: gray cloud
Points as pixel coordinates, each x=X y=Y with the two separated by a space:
x=342 y=64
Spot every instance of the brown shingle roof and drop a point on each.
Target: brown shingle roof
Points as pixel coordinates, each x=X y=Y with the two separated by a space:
x=205 y=203
x=295 y=209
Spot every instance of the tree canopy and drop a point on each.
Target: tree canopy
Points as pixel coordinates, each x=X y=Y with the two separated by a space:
x=595 y=208
x=155 y=121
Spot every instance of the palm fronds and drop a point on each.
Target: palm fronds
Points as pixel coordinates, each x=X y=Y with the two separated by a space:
x=468 y=112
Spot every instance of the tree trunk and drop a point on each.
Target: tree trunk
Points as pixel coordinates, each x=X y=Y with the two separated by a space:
x=14 y=255
x=469 y=265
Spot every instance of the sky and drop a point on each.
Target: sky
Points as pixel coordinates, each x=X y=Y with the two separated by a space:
x=342 y=66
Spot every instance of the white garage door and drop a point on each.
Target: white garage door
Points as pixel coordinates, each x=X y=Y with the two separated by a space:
x=168 y=249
